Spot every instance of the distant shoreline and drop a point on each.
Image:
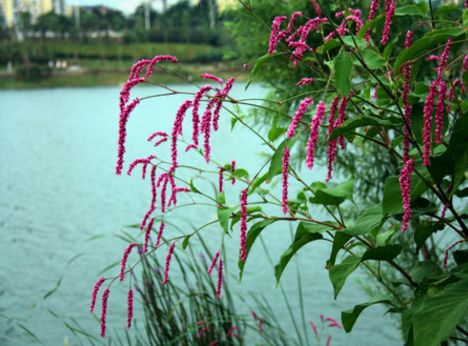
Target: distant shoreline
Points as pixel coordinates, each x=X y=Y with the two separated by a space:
x=183 y=73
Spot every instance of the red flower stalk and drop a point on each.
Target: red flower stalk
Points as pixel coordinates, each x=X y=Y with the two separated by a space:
x=406 y=105
x=293 y=18
x=137 y=162
x=466 y=4
x=155 y=60
x=220 y=279
x=440 y=111
x=168 y=263
x=233 y=169
x=123 y=263
x=95 y=292
x=147 y=235
x=195 y=116
x=427 y=128
x=275 y=33
x=163 y=193
x=219 y=102
x=231 y=331
x=212 y=77
x=152 y=206
x=175 y=191
x=124 y=115
x=465 y=64
x=328 y=342
x=301 y=110
x=213 y=262
x=390 y=6
x=177 y=130
x=316 y=7
x=314 y=131
x=314 y=328
x=243 y=225
x=331 y=117
x=125 y=92
x=129 y=308
x=160 y=233
x=405 y=186
x=443 y=60
x=433 y=57
x=446 y=253
x=137 y=68
x=304 y=81
x=333 y=322
x=285 y=180
x=156 y=134
x=220 y=179
x=105 y=297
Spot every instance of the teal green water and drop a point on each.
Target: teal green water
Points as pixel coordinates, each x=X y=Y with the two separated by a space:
x=58 y=190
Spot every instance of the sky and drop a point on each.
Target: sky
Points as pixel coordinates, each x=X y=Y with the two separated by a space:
x=126 y=6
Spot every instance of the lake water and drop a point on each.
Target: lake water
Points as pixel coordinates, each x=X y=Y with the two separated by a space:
x=60 y=198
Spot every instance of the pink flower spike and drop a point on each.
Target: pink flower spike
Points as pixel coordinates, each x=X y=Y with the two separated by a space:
x=195 y=116
x=220 y=179
x=153 y=198
x=243 y=225
x=137 y=67
x=433 y=58
x=124 y=115
x=231 y=331
x=147 y=235
x=298 y=115
x=213 y=262
x=177 y=130
x=373 y=10
x=314 y=328
x=405 y=186
x=331 y=117
x=157 y=59
x=446 y=253
x=440 y=111
x=129 y=308
x=123 y=263
x=160 y=233
x=125 y=92
x=443 y=59
x=190 y=146
x=406 y=105
x=219 y=102
x=293 y=18
x=156 y=134
x=105 y=297
x=390 y=6
x=168 y=263
x=95 y=292
x=333 y=322
x=220 y=279
x=304 y=81
x=212 y=77
x=328 y=343
x=314 y=131
x=285 y=168
x=161 y=141
x=316 y=7
x=275 y=33
x=427 y=128
x=465 y=64
x=233 y=169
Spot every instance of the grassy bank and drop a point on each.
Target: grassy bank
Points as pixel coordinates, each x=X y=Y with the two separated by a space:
x=182 y=73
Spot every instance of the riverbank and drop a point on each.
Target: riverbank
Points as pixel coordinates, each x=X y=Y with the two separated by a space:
x=112 y=75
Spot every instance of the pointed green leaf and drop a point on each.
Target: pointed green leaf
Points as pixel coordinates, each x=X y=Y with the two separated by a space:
x=343 y=69
x=340 y=272
x=368 y=221
x=349 y=317
x=382 y=253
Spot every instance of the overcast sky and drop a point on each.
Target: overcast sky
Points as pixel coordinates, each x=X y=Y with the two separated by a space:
x=126 y=6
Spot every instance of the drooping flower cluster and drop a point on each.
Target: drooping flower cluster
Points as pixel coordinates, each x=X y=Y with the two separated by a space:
x=314 y=131
x=243 y=225
x=129 y=308
x=301 y=110
x=405 y=186
x=390 y=7
x=105 y=297
x=285 y=175
x=406 y=105
x=95 y=292
x=168 y=263
x=123 y=263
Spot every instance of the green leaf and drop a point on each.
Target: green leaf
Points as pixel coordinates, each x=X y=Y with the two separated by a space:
x=363 y=121
x=221 y=198
x=305 y=228
x=333 y=195
x=392 y=202
x=340 y=272
x=422 y=271
x=185 y=242
x=257 y=182
x=275 y=133
x=343 y=69
x=349 y=317
x=30 y=333
x=373 y=59
x=277 y=159
x=424 y=230
x=192 y=186
x=382 y=253
x=224 y=214
x=410 y=10
x=252 y=235
x=368 y=221
x=338 y=243
x=438 y=315
x=53 y=290
x=240 y=173
x=293 y=248
x=460 y=256
x=258 y=66
x=424 y=45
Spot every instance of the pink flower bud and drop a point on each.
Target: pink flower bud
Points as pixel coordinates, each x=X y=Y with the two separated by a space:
x=243 y=225
x=129 y=308
x=293 y=18
x=168 y=263
x=314 y=131
x=427 y=128
x=123 y=263
x=147 y=235
x=195 y=116
x=314 y=328
x=275 y=33
x=160 y=233
x=285 y=180
x=105 y=297
x=301 y=110
x=152 y=206
x=440 y=111
x=233 y=169
x=406 y=105
x=125 y=92
x=156 y=134
x=124 y=115
x=328 y=342
x=95 y=292
x=220 y=279
x=212 y=77
x=157 y=59
x=213 y=262
x=316 y=7
x=390 y=6
x=177 y=130
x=220 y=179
x=405 y=186
x=137 y=68
x=304 y=81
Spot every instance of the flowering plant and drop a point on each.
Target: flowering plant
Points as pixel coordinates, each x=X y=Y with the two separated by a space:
x=368 y=77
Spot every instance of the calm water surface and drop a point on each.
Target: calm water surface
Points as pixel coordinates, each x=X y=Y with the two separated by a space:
x=60 y=199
